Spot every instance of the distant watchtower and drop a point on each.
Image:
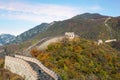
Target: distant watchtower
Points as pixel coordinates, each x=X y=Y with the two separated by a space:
x=100 y=42
x=70 y=35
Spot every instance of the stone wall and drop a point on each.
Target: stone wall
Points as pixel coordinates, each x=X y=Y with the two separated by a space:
x=44 y=45
x=45 y=69
x=36 y=44
x=23 y=66
x=106 y=41
x=20 y=67
x=111 y=40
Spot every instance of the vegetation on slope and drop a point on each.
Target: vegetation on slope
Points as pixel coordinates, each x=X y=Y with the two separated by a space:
x=86 y=28
x=81 y=59
x=89 y=26
x=114 y=23
x=116 y=45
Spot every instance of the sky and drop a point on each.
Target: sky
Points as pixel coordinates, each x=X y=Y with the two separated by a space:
x=17 y=16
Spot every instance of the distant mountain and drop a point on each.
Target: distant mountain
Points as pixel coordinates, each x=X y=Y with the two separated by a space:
x=6 y=38
x=90 y=26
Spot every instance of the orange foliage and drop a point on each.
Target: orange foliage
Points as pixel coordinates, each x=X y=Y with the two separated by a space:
x=67 y=62
x=34 y=52
x=49 y=64
x=43 y=56
x=77 y=49
x=108 y=57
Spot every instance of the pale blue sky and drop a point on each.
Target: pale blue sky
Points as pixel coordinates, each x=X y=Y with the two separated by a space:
x=17 y=16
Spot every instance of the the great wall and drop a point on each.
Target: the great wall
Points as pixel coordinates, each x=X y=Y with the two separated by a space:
x=20 y=67
x=42 y=44
x=29 y=68
x=100 y=41
x=46 y=70
x=32 y=69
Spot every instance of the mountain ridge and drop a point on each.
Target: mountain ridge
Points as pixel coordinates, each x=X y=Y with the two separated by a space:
x=87 y=25
x=89 y=16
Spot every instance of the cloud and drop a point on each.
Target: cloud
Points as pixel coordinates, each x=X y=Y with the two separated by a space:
x=41 y=12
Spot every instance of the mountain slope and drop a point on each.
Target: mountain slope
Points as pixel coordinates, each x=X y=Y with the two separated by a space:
x=81 y=59
x=90 y=29
x=31 y=33
x=89 y=26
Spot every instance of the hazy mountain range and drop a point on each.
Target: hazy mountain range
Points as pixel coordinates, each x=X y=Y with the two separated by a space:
x=6 y=38
x=87 y=25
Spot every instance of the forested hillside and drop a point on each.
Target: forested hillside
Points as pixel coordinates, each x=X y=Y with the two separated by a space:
x=81 y=59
